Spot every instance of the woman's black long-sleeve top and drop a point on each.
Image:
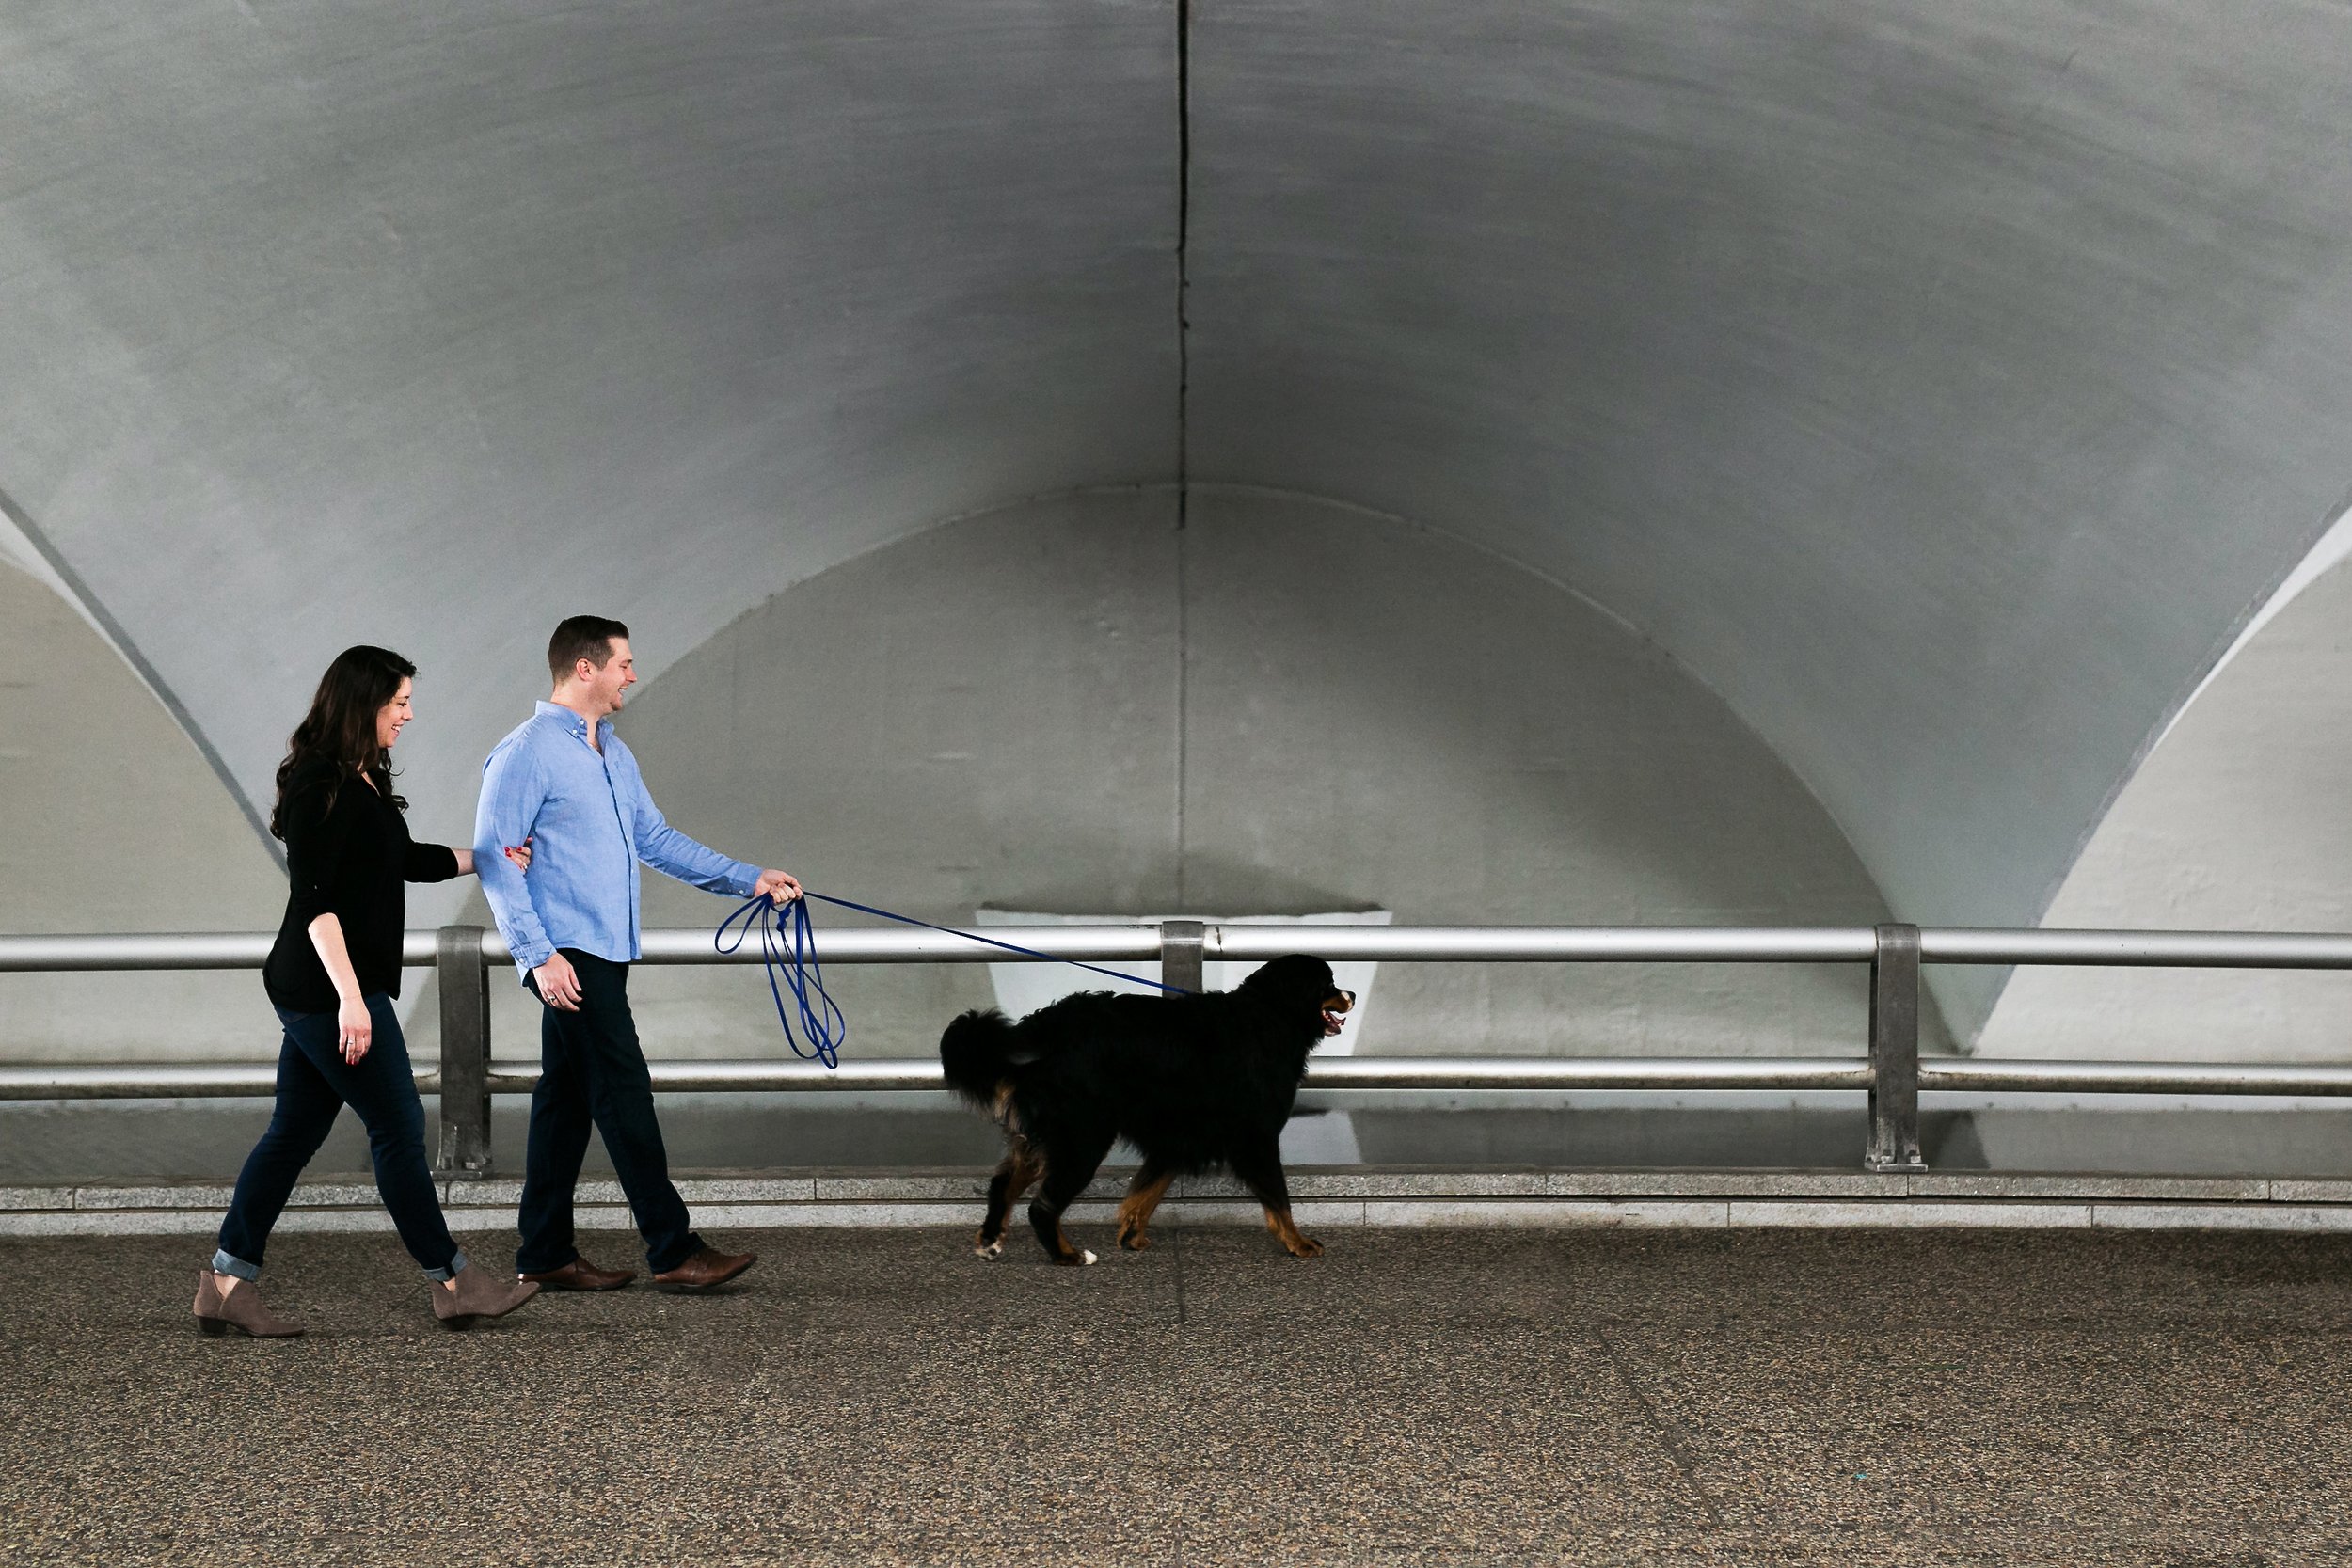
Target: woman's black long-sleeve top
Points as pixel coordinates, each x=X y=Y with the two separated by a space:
x=349 y=860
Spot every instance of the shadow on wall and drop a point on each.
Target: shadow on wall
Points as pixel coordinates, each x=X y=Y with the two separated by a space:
x=1283 y=707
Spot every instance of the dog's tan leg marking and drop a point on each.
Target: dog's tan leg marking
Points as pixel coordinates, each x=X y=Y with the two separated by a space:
x=1018 y=1173
x=1065 y=1252
x=1026 y=1168
x=1134 y=1210
x=1279 y=1221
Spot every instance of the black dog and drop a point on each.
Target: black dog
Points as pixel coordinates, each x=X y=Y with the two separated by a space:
x=1191 y=1080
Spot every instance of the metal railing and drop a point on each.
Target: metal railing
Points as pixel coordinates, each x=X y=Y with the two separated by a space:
x=1893 y=1074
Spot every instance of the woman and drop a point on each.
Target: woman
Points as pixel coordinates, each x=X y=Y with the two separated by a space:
x=332 y=976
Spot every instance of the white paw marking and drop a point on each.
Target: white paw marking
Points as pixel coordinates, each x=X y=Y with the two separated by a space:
x=991 y=1250
x=1086 y=1257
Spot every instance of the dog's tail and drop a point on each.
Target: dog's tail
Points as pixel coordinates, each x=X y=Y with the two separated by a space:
x=977 y=1054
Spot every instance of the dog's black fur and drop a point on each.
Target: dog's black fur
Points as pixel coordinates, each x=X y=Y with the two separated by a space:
x=1193 y=1082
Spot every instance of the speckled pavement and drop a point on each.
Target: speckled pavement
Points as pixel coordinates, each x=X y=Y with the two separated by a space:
x=1458 y=1397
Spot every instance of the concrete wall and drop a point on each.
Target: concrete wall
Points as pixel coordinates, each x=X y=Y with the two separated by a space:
x=114 y=823
x=1282 y=707
x=2237 y=820
x=427 y=325
x=1941 y=380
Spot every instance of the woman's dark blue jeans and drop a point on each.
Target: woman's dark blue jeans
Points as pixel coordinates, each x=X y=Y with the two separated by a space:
x=313 y=1084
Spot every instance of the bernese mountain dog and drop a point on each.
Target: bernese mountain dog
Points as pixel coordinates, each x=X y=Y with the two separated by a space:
x=1192 y=1081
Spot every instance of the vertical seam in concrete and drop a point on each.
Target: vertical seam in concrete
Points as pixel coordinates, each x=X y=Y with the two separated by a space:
x=1184 y=412
x=1184 y=256
x=148 y=676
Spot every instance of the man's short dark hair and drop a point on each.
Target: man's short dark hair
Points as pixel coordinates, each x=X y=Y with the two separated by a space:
x=578 y=636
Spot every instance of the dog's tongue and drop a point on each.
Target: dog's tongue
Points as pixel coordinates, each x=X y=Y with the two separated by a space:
x=1333 y=1022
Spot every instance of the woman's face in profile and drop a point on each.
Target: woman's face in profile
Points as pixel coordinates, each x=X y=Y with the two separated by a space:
x=393 y=715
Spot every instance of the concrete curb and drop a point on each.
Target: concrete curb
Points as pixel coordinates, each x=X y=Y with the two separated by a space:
x=1333 y=1198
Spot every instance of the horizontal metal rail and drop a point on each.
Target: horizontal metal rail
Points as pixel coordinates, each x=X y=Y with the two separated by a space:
x=178 y=950
x=221 y=1079
x=1894 y=1074
x=1140 y=943
x=2006 y=1075
x=2137 y=949
x=147 y=1081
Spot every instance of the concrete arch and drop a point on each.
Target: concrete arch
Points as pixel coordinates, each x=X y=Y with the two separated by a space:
x=1942 y=382
x=1279 y=707
x=2235 y=821
x=116 y=823
x=1946 y=383
x=22 y=547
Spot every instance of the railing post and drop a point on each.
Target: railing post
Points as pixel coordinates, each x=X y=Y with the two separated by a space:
x=1895 y=1052
x=1182 y=953
x=464 y=987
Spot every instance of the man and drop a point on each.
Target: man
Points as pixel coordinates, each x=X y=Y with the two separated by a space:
x=563 y=783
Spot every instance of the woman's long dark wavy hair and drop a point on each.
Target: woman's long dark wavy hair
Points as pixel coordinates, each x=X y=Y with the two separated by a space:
x=340 y=729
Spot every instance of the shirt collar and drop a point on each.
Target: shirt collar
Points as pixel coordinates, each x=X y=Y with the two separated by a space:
x=573 y=721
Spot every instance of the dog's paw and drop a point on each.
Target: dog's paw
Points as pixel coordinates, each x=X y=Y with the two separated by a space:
x=1084 y=1257
x=1307 y=1247
x=989 y=1249
x=1134 y=1241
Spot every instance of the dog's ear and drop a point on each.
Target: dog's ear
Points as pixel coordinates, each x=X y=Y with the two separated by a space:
x=1295 y=977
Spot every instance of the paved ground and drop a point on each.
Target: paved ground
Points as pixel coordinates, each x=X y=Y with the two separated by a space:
x=1473 y=1397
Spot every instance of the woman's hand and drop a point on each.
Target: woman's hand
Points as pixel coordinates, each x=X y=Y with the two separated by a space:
x=519 y=855
x=355 y=1029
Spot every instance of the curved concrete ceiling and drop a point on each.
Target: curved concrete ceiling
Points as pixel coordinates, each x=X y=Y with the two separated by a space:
x=1942 y=380
x=426 y=325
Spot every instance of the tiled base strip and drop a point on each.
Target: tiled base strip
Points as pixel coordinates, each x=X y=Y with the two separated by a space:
x=1330 y=1198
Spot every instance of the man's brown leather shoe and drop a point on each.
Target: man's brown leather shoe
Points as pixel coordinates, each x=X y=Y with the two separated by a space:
x=704 y=1271
x=580 y=1274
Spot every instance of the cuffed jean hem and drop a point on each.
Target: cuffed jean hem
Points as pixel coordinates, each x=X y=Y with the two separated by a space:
x=224 y=1263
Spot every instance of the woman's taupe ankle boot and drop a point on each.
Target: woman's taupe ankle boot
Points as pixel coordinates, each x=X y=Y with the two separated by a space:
x=240 y=1307
x=479 y=1295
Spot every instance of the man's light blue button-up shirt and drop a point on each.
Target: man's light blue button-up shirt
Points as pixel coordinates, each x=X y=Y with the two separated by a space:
x=585 y=811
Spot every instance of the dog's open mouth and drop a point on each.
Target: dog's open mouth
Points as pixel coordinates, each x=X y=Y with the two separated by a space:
x=1335 y=1012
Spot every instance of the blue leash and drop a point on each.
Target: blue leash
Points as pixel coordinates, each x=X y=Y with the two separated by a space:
x=787 y=943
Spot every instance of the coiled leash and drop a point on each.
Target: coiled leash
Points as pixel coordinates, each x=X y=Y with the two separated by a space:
x=787 y=943
x=787 y=946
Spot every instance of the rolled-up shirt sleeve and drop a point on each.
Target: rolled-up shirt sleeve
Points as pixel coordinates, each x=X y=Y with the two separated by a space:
x=315 y=839
x=673 y=853
x=512 y=793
